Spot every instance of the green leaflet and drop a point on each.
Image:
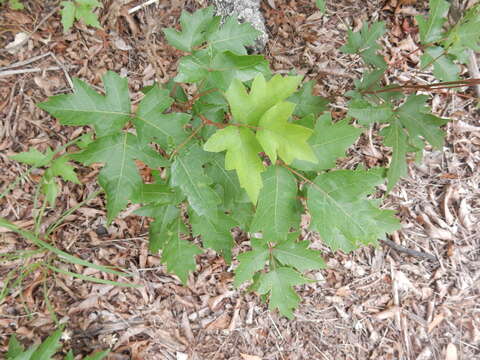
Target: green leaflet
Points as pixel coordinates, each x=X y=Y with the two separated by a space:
x=278 y=208
x=233 y=37
x=430 y=28
x=306 y=102
x=396 y=138
x=297 y=255
x=321 y=5
x=216 y=233
x=248 y=108
x=341 y=212
x=119 y=177
x=242 y=155
x=277 y=136
x=153 y=125
x=278 y=284
x=79 y=10
x=220 y=69
x=251 y=261
x=179 y=254
x=444 y=68
x=364 y=42
x=195 y=28
x=108 y=114
x=189 y=175
x=366 y=113
x=329 y=142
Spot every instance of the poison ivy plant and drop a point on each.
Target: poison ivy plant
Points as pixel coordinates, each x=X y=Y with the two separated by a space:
x=251 y=151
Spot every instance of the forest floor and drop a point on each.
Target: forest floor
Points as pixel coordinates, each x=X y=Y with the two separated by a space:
x=375 y=303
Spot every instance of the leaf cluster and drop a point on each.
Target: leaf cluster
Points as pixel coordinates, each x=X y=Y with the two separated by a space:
x=248 y=150
x=80 y=10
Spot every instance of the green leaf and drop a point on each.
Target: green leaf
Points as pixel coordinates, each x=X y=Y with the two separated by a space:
x=396 y=138
x=98 y=355
x=189 y=175
x=249 y=108
x=430 y=28
x=277 y=136
x=251 y=261
x=61 y=167
x=153 y=125
x=33 y=157
x=341 y=212
x=242 y=155
x=366 y=113
x=443 y=67
x=108 y=114
x=306 y=102
x=278 y=208
x=84 y=11
x=464 y=35
x=278 y=283
x=233 y=37
x=329 y=142
x=70 y=355
x=220 y=70
x=297 y=255
x=68 y=14
x=159 y=229
x=179 y=254
x=415 y=116
x=155 y=193
x=119 y=177
x=195 y=28
x=321 y=5
x=14 y=347
x=49 y=187
x=228 y=180
x=216 y=233
x=49 y=347
x=364 y=42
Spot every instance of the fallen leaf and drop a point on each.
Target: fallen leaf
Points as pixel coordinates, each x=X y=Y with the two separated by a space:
x=451 y=352
x=250 y=357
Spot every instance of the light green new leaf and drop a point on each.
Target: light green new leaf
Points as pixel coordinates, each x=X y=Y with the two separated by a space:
x=278 y=136
x=464 y=35
x=233 y=37
x=189 y=175
x=278 y=283
x=341 y=212
x=415 y=116
x=396 y=138
x=61 y=167
x=84 y=11
x=108 y=114
x=298 y=255
x=179 y=254
x=329 y=142
x=251 y=261
x=153 y=125
x=306 y=102
x=119 y=177
x=248 y=108
x=195 y=28
x=430 y=28
x=216 y=233
x=366 y=113
x=444 y=68
x=68 y=14
x=321 y=5
x=278 y=208
x=242 y=155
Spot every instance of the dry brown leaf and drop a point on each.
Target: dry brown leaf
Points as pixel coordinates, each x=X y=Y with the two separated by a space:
x=220 y=323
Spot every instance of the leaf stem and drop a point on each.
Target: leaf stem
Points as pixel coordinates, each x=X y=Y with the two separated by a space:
x=177 y=149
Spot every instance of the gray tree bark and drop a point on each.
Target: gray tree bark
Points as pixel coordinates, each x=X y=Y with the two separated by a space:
x=246 y=11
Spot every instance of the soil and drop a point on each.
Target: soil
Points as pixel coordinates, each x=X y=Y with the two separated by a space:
x=375 y=303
